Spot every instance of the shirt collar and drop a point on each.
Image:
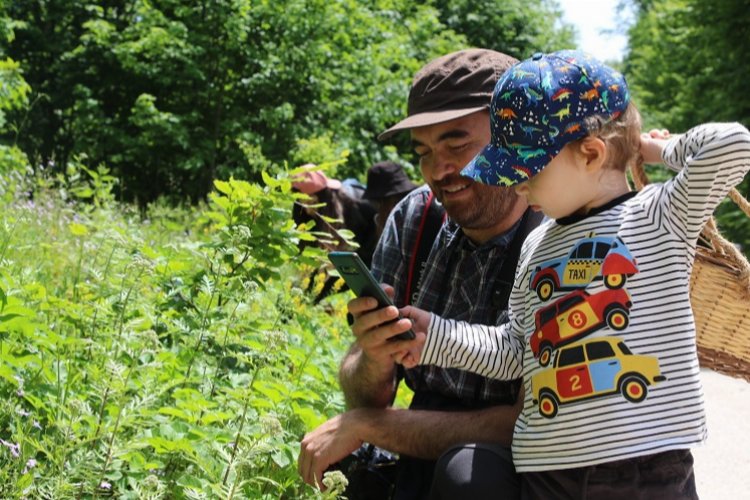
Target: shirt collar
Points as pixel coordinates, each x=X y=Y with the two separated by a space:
x=572 y=219
x=455 y=236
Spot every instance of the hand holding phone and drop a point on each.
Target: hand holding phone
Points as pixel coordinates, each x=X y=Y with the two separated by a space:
x=363 y=283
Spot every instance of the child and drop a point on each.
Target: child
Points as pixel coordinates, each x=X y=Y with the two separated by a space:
x=601 y=327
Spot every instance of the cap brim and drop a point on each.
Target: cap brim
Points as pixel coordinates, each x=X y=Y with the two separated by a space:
x=499 y=166
x=431 y=118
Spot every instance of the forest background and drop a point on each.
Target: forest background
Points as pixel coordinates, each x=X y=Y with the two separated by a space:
x=156 y=339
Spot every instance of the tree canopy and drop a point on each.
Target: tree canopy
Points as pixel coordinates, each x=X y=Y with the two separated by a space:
x=515 y=27
x=688 y=64
x=171 y=94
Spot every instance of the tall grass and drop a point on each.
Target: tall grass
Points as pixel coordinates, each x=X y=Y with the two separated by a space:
x=168 y=356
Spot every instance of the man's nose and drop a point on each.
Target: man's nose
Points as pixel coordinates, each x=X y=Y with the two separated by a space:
x=443 y=168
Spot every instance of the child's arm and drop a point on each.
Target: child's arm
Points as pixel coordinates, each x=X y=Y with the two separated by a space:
x=652 y=145
x=711 y=159
x=490 y=351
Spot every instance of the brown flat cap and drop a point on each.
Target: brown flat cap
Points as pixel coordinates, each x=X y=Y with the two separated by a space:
x=452 y=86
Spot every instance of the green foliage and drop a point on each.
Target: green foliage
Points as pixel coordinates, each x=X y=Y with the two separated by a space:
x=515 y=27
x=14 y=93
x=14 y=173
x=171 y=94
x=687 y=61
x=13 y=88
x=319 y=150
x=688 y=65
x=168 y=357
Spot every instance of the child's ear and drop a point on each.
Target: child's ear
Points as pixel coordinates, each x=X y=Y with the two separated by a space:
x=594 y=152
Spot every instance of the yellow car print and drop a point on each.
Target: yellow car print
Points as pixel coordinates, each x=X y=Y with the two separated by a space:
x=591 y=369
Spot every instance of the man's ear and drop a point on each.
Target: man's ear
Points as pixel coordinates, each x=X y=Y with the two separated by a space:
x=594 y=152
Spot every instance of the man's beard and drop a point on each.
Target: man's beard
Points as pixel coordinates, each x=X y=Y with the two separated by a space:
x=487 y=207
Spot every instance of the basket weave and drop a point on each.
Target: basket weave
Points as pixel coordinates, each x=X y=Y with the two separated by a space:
x=720 y=296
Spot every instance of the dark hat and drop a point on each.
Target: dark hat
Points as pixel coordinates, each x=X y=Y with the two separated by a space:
x=538 y=107
x=386 y=179
x=452 y=86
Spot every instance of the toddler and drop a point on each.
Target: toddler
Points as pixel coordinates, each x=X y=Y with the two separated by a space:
x=601 y=327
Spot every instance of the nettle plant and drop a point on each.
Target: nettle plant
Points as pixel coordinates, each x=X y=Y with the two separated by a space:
x=168 y=357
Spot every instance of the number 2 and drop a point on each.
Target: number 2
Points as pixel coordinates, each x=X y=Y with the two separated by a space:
x=575 y=382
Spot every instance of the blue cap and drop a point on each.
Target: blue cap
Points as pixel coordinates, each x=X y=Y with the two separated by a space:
x=538 y=107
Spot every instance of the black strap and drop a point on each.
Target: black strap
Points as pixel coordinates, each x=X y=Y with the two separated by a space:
x=434 y=216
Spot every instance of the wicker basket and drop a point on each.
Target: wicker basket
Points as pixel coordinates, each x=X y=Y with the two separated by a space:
x=720 y=295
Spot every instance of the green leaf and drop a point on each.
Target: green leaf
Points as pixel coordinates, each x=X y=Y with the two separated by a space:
x=268 y=180
x=272 y=393
x=281 y=458
x=77 y=229
x=24 y=481
x=7 y=374
x=223 y=187
x=7 y=317
x=175 y=412
x=162 y=446
x=309 y=417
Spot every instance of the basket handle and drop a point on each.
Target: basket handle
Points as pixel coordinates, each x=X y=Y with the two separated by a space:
x=710 y=232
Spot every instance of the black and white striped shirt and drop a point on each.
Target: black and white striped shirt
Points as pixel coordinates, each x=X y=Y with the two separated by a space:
x=601 y=326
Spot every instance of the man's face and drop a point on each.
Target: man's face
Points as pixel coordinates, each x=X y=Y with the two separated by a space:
x=443 y=150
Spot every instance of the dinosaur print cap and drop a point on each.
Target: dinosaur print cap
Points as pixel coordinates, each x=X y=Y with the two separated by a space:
x=538 y=107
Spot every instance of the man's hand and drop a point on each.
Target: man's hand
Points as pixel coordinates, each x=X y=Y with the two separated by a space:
x=422 y=434
x=368 y=371
x=652 y=144
x=373 y=329
x=420 y=319
x=326 y=445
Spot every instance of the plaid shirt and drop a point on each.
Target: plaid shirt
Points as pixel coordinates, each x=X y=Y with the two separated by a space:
x=458 y=283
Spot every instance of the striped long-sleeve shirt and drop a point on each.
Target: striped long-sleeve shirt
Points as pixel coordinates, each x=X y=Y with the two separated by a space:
x=601 y=325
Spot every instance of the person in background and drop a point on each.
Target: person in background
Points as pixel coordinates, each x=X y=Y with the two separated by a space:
x=387 y=184
x=458 y=427
x=343 y=202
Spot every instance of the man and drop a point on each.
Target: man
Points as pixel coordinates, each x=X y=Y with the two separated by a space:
x=466 y=276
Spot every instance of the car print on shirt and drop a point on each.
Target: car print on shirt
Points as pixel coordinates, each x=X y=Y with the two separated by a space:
x=576 y=315
x=591 y=369
x=592 y=258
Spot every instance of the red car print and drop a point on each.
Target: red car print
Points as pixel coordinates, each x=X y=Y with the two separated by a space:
x=576 y=315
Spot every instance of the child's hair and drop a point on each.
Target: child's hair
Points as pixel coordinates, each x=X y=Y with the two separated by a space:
x=621 y=135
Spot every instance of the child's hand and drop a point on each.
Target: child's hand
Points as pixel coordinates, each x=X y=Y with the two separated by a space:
x=420 y=320
x=652 y=144
x=410 y=357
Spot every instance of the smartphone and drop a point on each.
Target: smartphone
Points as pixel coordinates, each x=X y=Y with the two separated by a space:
x=363 y=283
